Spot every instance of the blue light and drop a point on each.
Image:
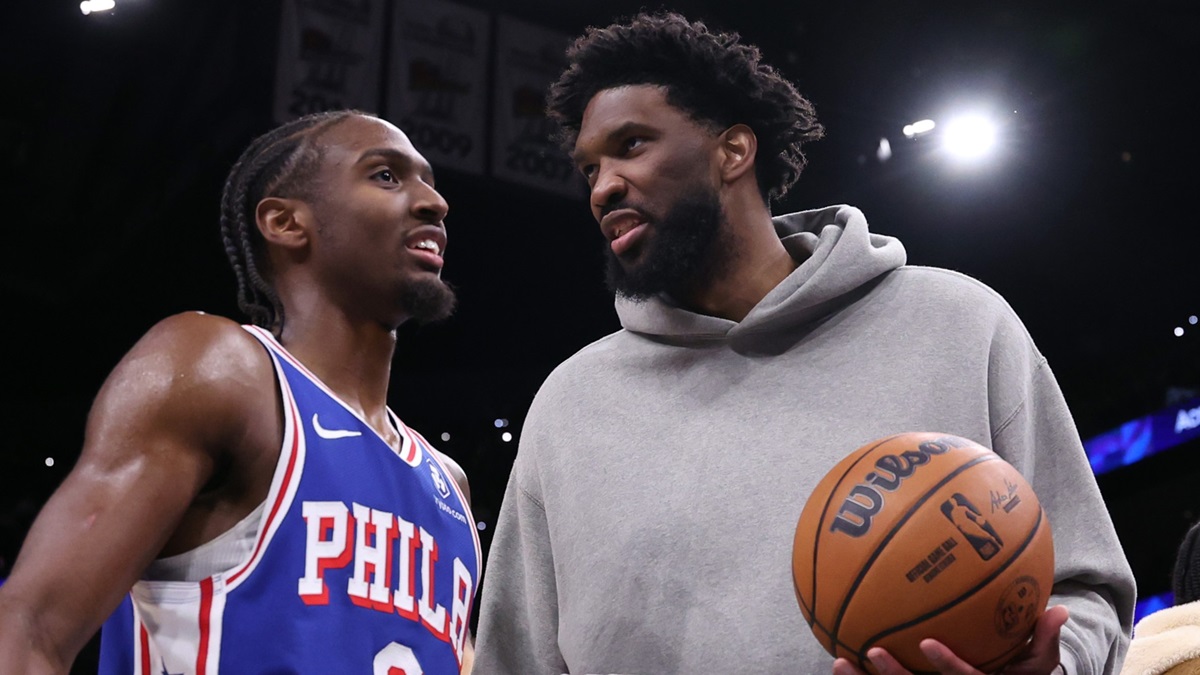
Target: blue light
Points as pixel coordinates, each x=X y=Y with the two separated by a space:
x=1139 y=438
x=1150 y=605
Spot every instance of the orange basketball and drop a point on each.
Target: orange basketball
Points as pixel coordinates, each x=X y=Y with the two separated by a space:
x=923 y=535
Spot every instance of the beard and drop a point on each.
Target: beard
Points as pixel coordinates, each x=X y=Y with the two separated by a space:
x=682 y=255
x=428 y=300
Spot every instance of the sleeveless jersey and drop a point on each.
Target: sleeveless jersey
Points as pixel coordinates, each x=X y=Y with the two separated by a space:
x=366 y=561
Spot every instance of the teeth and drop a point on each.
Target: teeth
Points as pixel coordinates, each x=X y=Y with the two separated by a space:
x=429 y=245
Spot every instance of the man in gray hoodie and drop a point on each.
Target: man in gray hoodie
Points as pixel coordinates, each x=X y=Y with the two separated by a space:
x=648 y=521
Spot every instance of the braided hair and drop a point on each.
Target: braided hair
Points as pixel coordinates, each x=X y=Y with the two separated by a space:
x=712 y=76
x=279 y=163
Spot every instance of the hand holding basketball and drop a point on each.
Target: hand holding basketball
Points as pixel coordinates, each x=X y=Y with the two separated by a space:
x=1041 y=657
x=926 y=535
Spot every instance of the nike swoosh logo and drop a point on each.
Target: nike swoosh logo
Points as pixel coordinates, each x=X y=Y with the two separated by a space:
x=332 y=433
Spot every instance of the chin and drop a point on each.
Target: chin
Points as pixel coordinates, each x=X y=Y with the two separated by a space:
x=428 y=300
x=636 y=276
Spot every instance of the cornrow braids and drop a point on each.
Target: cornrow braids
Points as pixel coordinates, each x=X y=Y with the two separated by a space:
x=279 y=163
x=712 y=76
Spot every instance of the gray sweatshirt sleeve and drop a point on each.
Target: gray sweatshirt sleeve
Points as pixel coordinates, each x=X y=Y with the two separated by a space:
x=1092 y=577
x=518 y=620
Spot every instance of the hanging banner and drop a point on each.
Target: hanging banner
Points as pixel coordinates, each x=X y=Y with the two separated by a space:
x=437 y=84
x=329 y=57
x=528 y=59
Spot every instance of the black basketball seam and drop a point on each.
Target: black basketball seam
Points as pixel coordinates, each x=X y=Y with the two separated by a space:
x=812 y=611
x=892 y=533
x=937 y=610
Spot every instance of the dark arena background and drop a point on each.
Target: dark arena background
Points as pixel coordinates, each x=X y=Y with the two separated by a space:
x=120 y=124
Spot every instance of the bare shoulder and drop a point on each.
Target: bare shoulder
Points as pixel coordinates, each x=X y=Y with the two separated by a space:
x=190 y=371
x=456 y=472
x=204 y=343
x=186 y=408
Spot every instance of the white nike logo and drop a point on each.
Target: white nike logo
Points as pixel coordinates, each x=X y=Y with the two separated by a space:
x=332 y=433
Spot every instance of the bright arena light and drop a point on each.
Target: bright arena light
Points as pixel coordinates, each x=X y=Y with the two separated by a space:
x=969 y=137
x=917 y=128
x=506 y=437
x=89 y=6
x=884 y=152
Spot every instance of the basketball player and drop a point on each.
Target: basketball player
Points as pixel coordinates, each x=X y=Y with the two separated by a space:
x=245 y=500
x=649 y=517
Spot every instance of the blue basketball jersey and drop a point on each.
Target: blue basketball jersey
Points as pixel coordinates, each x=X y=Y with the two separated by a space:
x=366 y=561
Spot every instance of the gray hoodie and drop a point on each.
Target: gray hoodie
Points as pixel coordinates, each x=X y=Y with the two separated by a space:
x=649 y=517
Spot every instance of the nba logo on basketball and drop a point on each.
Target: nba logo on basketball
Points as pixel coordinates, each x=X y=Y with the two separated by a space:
x=971 y=523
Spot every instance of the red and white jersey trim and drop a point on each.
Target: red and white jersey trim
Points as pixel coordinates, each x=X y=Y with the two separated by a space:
x=288 y=472
x=409 y=451
x=185 y=620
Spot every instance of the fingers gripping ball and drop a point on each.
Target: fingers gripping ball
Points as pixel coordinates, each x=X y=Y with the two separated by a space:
x=923 y=535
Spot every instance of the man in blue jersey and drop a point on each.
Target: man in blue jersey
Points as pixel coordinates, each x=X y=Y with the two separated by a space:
x=245 y=500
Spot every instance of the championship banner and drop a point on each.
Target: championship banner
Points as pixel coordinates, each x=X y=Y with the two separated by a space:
x=528 y=59
x=437 y=84
x=329 y=54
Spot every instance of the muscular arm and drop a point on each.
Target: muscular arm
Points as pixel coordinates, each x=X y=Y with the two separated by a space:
x=171 y=412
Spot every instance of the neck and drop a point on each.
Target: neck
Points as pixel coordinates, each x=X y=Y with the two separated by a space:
x=758 y=262
x=352 y=358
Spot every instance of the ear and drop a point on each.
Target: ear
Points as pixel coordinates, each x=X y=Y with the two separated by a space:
x=284 y=222
x=738 y=148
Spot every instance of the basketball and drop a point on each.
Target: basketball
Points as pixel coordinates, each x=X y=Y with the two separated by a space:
x=923 y=535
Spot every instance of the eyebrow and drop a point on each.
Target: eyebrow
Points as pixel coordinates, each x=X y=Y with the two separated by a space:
x=623 y=130
x=393 y=156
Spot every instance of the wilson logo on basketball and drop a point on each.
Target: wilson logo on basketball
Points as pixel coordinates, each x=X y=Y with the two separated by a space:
x=866 y=499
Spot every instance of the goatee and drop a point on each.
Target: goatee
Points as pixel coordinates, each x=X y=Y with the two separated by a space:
x=682 y=253
x=429 y=300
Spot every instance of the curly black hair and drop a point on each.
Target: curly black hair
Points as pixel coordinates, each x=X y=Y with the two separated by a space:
x=279 y=163
x=712 y=76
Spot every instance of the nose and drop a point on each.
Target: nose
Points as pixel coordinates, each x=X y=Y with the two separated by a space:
x=429 y=204
x=608 y=188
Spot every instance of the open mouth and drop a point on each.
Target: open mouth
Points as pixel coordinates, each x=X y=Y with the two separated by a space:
x=427 y=245
x=623 y=229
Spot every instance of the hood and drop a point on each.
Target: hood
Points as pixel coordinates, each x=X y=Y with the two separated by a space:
x=838 y=255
